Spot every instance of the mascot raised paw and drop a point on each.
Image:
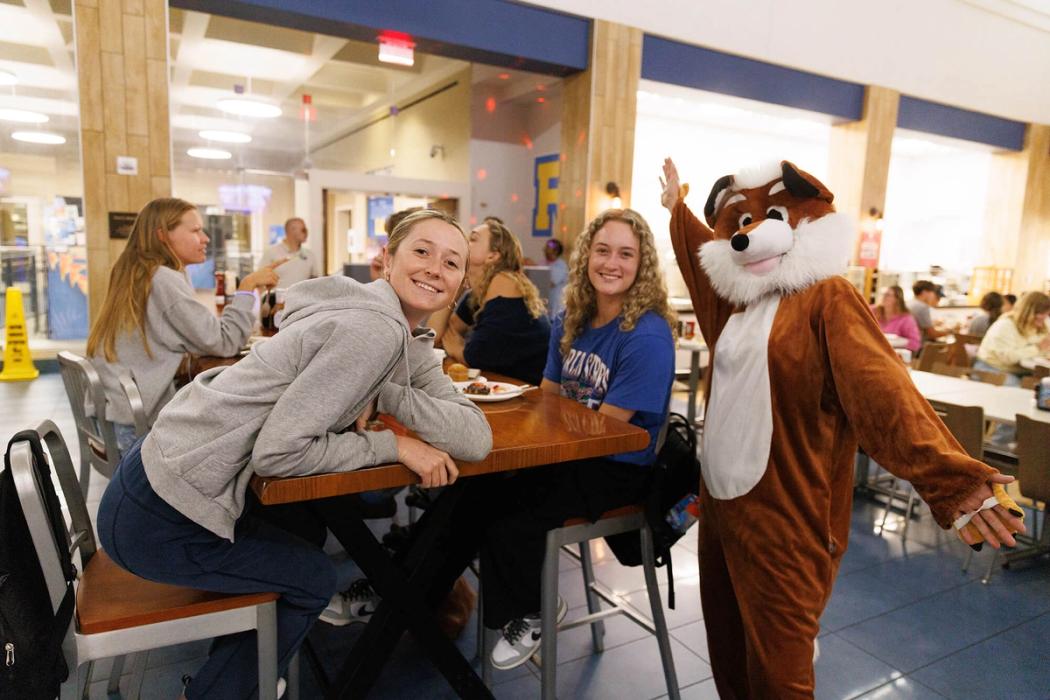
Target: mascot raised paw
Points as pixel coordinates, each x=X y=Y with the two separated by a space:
x=800 y=375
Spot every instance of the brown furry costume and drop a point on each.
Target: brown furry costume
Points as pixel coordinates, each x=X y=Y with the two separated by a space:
x=800 y=374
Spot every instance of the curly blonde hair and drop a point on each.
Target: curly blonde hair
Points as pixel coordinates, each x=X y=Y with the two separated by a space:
x=502 y=241
x=647 y=293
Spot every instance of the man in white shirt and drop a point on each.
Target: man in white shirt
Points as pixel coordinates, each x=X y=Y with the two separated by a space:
x=927 y=296
x=302 y=264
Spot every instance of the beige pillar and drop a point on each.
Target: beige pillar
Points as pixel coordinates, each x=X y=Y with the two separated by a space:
x=1032 y=255
x=122 y=62
x=859 y=155
x=597 y=127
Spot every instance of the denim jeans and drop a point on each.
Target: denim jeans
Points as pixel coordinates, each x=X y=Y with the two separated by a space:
x=149 y=538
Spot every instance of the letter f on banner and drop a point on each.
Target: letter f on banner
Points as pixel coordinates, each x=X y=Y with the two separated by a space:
x=545 y=177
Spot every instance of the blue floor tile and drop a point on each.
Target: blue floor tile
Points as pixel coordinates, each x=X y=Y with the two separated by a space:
x=902 y=689
x=576 y=643
x=694 y=637
x=629 y=671
x=844 y=671
x=889 y=585
x=704 y=690
x=1013 y=664
x=918 y=634
x=687 y=602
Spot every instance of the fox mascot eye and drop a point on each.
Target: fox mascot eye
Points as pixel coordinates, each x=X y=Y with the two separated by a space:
x=745 y=220
x=778 y=213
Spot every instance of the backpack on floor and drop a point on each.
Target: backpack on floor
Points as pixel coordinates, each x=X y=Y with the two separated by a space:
x=31 y=633
x=672 y=505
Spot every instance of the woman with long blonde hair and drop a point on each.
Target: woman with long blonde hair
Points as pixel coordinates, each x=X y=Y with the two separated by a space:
x=151 y=317
x=1015 y=336
x=501 y=325
x=613 y=351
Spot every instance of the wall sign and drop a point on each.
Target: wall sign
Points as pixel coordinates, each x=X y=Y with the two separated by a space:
x=545 y=178
x=126 y=165
x=120 y=223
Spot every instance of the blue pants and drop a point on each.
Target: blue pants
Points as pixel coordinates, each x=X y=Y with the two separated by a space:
x=149 y=538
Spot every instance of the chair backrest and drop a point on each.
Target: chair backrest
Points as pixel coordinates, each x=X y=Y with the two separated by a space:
x=977 y=375
x=932 y=353
x=967 y=339
x=79 y=535
x=87 y=399
x=1041 y=371
x=1033 y=458
x=966 y=423
x=983 y=375
x=949 y=370
x=1029 y=382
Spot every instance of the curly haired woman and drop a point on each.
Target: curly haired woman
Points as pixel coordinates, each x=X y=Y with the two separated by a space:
x=613 y=351
x=501 y=326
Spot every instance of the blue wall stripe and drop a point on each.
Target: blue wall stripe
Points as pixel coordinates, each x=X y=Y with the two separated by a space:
x=933 y=118
x=677 y=63
x=496 y=32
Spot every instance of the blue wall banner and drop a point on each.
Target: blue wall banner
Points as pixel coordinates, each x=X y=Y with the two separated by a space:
x=545 y=174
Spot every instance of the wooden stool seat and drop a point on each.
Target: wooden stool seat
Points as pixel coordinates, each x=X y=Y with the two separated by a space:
x=614 y=513
x=110 y=598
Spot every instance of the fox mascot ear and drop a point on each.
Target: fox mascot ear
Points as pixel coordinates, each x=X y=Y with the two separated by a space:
x=801 y=184
x=713 y=199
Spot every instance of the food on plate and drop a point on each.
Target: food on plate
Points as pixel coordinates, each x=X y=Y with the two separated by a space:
x=458 y=372
x=478 y=388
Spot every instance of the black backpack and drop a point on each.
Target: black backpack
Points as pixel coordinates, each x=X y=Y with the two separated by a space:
x=31 y=633
x=675 y=478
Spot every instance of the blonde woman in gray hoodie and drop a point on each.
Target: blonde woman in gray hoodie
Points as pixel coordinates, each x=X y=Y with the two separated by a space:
x=174 y=511
x=151 y=317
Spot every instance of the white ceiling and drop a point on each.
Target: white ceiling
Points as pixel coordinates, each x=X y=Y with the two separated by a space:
x=209 y=56
x=990 y=56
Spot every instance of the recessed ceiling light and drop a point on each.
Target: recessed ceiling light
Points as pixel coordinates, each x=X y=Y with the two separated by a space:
x=209 y=153
x=225 y=136
x=8 y=78
x=38 y=137
x=22 y=116
x=249 y=108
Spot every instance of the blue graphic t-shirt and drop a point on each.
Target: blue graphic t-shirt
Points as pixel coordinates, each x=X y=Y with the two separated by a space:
x=631 y=370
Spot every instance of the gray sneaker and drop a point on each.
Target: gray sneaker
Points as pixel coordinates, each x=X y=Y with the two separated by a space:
x=520 y=639
x=355 y=604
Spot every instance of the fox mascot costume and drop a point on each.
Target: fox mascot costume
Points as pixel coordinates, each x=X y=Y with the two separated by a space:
x=800 y=374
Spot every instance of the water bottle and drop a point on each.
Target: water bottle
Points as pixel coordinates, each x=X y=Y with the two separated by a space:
x=684 y=513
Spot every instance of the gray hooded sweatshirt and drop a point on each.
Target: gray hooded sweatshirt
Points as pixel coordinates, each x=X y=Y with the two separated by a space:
x=176 y=324
x=288 y=408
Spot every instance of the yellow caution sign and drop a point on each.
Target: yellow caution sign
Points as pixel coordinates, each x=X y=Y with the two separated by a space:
x=18 y=364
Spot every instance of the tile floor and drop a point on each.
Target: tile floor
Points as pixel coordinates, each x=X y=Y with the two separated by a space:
x=903 y=622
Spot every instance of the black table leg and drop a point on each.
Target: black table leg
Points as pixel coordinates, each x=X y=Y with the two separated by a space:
x=403 y=587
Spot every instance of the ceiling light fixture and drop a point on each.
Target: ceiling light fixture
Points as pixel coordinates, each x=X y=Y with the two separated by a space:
x=249 y=108
x=225 y=136
x=397 y=48
x=23 y=116
x=209 y=153
x=8 y=78
x=39 y=137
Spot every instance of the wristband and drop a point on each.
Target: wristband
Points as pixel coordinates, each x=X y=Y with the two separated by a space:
x=962 y=520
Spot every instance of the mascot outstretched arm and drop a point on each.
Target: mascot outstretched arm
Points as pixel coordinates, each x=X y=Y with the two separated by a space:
x=800 y=375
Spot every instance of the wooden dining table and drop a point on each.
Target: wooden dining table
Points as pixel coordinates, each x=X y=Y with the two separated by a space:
x=533 y=429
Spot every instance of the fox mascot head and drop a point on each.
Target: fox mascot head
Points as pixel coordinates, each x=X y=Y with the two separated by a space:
x=776 y=232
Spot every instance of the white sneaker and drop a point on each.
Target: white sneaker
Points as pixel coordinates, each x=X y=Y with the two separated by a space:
x=355 y=604
x=282 y=685
x=521 y=639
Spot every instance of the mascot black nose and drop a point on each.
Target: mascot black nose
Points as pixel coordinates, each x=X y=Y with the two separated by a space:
x=739 y=242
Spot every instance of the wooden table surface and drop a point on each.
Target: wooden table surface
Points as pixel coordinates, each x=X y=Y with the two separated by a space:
x=533 y=429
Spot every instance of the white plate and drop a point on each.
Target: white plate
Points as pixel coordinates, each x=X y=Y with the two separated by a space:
x=501 y=391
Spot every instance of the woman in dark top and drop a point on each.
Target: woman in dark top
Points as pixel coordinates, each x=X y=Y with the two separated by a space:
x=501 y=325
